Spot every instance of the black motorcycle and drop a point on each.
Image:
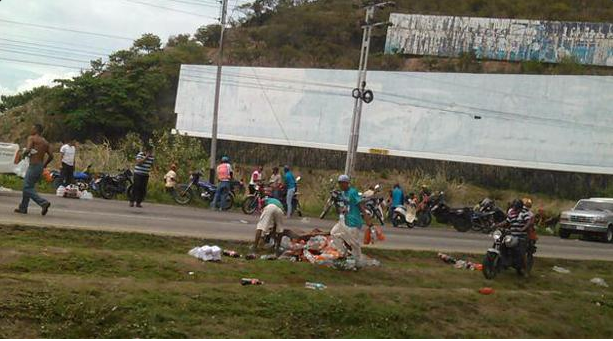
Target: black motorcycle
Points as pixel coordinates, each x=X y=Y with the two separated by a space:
x=504 y=254
x=375 y=208
x=185 y=193
x=486 y=215
x=112 y=185
x=459 y=218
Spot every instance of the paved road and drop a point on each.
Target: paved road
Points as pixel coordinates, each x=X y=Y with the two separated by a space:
x=99 y=214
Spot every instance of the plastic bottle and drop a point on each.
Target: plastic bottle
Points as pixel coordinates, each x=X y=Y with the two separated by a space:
x=315 y=286
x=251 y=281
x=268 y=257
x=230 y=253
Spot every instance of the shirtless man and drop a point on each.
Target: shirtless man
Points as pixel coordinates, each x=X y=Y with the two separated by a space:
x=37 y=147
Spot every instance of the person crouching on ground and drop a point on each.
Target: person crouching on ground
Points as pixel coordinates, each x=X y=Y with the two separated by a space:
x=270 y=221
x=170 y=179
x=348 y=230
x=144 y=162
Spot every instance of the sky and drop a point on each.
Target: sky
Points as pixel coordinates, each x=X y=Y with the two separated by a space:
x=32 y=56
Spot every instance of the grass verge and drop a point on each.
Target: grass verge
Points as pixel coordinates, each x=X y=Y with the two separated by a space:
x=82 y=284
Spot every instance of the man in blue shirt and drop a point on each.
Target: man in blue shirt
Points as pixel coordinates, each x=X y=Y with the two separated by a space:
x=397 y=199
x=347 y=230
x=290 y=184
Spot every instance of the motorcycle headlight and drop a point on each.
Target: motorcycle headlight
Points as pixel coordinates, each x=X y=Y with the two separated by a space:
x=510 y=241
x=497 y=234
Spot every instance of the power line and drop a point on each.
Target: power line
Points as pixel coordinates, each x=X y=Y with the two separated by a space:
x=169 y=9
x=44 y=46
x=52 y=50
x=43 y=55
x=39 y=41
x=104 y=35
x=195 y=3
x=39 y=63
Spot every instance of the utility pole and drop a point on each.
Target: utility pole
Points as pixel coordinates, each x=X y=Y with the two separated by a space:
x=213 y=156
x=360 y=93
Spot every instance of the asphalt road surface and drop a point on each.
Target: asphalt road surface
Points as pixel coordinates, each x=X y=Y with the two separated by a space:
x=110 y=215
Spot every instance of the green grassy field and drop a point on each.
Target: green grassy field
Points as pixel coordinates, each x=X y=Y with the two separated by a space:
x=81 y=284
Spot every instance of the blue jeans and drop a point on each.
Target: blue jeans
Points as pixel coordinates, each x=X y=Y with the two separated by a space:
x=221 y=195
x=289 y=198
x=33 y=175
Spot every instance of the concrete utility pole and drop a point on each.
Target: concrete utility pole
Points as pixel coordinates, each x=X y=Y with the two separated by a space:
x=213 y=156
x=360 y=93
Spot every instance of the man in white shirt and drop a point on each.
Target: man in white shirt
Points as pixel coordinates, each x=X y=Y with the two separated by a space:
x=68 y=153
x=256 y=178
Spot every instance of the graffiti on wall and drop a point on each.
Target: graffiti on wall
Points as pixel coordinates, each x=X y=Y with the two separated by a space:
x=500 y=39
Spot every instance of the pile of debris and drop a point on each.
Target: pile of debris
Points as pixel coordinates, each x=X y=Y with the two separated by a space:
x=460 y=263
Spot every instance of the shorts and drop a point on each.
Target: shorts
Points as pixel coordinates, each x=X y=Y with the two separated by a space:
x=271 y=216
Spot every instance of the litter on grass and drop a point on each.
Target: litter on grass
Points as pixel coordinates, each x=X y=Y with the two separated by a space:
x=560 y=269
x=460 y=263
x=599 y=281
x=207 y=253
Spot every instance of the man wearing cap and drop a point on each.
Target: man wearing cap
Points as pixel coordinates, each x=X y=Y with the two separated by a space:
x=290 y=184
x=224 y=175
x=348 y=229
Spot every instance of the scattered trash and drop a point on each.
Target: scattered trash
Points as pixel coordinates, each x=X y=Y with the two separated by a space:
x=191 y=273
x=87 y=195
x=305 y=220
x=60 y=191
x=560 y=269
x=244 y=221
x=251 y=256
x=599 y=281
x=486 y=291
x=373 y=234
x=4 y=189
x=207 y=253
x=231 y=253
x=251 y=281
x=268 y=257
x=459 y=263
x=315 y=286
x=114 y=308
x=549 y=230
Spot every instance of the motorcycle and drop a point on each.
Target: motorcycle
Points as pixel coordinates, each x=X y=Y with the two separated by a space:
x=375 y=208
x=185 y=193
x=111 y=185
x=405 y=215
x=83 y=180
x=335 y=196
x=503 y=255
x=459 y=218
x=486 y=215
x=254 y=203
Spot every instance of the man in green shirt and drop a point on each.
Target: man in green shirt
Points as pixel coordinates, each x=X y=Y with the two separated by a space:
x=270 y=221
x=347 y=230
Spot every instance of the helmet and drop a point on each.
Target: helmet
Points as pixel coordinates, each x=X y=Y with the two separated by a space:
x=517 y=204
x=225 y=159
x=344 y=178
x=527 y=202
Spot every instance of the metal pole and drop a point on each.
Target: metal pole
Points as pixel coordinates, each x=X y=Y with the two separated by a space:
x=357 y=104
x=213 y=157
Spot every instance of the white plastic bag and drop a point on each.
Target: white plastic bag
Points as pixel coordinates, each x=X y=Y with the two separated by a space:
x=60 y=191
x=21 y=168
x=87 y=195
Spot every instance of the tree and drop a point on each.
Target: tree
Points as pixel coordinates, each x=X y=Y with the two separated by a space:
x=148 y=43
x=181 y=39
x=208 y=35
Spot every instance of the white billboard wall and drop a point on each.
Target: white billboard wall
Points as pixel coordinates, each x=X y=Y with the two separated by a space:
x=562 y=123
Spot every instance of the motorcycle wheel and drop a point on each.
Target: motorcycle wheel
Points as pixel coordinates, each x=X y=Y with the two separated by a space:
x=327 y=208
x=249 y=205
x=129 y=191
x=106 y=192
x=461 y=225
x=182 y=195
x=396 y=220
x=229 y=202
x=490 y=266
x=379 y=217
x=424 y=219
x=297 y=208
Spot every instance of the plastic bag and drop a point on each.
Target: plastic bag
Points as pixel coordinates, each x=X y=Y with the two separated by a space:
x=21 y=168
x=87 y=195
x=47 y=175
x=60 y=191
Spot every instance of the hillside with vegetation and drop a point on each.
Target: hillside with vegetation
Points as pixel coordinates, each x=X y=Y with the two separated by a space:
x=135 y=90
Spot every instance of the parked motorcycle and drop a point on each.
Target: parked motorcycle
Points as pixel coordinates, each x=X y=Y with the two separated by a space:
x=335 y=196
x=486 y=215
x=254 y=203
x=111 y=185
x=423 y=215
x=185 y=193
x=405 y=215
x=375 y=208
x=504 y=254
x=459 y=218
x=83 y=180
